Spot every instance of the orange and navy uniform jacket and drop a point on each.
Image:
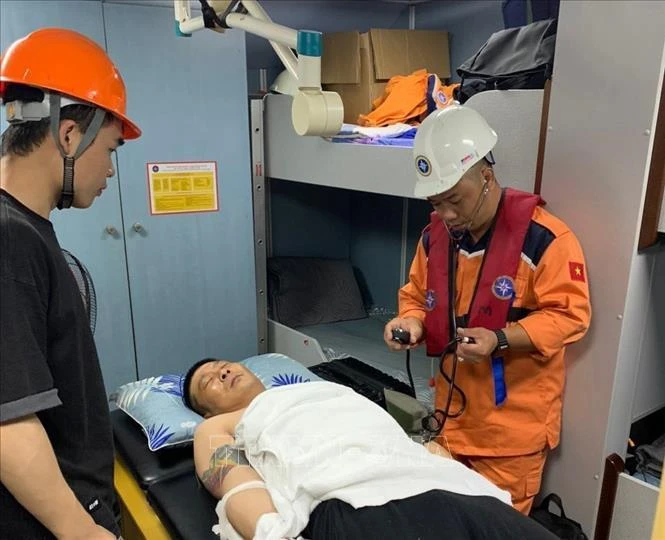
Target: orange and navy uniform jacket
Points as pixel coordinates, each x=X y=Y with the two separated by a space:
x=551 y=286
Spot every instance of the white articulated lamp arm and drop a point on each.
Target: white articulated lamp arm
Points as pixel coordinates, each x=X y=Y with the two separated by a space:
x=314 y=111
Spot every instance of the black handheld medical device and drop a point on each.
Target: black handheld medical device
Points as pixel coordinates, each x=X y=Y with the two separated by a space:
x=402 y=336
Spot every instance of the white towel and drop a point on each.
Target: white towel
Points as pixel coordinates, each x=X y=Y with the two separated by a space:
x=393 y=130
x=316 y=441
x=352 y=131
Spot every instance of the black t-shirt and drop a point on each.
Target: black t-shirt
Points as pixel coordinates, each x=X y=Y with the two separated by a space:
x=49 y=367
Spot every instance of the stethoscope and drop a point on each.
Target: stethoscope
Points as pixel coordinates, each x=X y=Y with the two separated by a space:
x=434 y=423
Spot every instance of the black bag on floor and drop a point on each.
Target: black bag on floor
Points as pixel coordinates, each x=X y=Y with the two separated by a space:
x=513 y=58
x=559 y=524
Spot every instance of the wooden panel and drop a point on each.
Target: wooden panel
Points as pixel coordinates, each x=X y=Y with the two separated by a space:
x=613 y=467
x=655 y=201
x=544 y=117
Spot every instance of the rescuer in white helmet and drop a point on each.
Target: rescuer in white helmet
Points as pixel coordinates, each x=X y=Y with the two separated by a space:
x=497 y=289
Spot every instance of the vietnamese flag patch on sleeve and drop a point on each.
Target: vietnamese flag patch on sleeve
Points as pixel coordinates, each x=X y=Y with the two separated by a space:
x=576 y=271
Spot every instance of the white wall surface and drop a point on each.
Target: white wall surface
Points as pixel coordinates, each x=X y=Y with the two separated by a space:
x=607 y=75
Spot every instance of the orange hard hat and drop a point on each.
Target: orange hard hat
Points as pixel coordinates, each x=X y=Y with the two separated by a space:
x=64 y=61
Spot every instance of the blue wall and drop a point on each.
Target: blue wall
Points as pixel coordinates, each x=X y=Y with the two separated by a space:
x=365 y=228
x=417 y=219
x=192 y=290
x=309 y=221
x=191 y=275
x=376 y=225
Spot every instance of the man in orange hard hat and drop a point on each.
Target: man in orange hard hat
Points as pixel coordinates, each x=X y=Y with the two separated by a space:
x=65 y=104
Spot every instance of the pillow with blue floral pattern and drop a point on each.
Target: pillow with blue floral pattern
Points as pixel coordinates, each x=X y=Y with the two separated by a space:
x=155 y=403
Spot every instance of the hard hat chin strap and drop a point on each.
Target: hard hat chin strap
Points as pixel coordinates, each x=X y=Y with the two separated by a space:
x=88 y=136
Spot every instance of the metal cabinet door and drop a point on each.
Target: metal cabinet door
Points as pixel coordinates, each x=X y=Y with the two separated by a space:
x=85 y=233
x=191 y=276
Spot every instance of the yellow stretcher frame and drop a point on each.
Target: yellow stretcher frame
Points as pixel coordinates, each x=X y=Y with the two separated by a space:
x=659 y=521
x=138 y=520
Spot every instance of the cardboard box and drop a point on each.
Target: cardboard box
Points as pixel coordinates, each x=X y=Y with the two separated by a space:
x=358 y=66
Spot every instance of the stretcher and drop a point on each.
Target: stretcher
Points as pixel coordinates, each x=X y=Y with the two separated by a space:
x=159 y=495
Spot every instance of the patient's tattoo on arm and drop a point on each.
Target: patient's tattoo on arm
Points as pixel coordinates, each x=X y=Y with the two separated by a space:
x=223 y=460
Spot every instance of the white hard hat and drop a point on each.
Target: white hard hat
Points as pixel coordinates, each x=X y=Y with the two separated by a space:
x=285 y=83
x=447 y=144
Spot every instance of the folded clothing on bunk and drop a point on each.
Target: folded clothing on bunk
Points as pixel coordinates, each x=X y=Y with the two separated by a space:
x=404 y=141
x=354 y=131
x=409 y=99
x=406 y=102
x=394 y=135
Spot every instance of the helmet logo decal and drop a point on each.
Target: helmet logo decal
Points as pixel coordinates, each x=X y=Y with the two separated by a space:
x=468 y=158
x=503 y=287
x=423 y=165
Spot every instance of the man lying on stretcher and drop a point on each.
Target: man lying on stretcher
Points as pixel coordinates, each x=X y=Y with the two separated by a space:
x=318 y=460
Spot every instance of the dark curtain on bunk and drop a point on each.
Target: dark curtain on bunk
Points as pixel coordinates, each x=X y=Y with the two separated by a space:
x=516 y=12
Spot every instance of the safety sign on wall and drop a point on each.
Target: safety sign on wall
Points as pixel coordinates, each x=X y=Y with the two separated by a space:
x=182 y=187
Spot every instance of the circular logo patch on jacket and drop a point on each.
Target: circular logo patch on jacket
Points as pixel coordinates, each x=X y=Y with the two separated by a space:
x=423 y=165
x=503 y=287
x=430 y=300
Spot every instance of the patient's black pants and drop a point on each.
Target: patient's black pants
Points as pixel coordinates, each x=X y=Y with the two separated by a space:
x=435 y=515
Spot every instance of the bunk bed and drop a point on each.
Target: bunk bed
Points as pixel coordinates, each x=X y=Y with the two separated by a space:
x=386 y=170
x=514 y=114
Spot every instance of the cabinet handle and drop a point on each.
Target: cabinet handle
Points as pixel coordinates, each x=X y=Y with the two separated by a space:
x=111 y=230
x=138 y=228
